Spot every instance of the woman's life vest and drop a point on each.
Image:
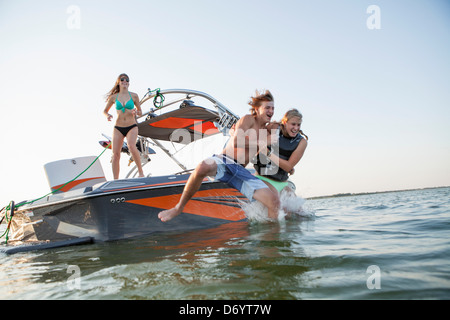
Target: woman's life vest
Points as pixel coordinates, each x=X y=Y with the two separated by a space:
x=283 y=149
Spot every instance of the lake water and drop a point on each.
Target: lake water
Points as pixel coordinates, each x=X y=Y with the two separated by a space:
x=377 y=246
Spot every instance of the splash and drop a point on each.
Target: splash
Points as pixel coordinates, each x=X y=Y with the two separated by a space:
x=291 y=206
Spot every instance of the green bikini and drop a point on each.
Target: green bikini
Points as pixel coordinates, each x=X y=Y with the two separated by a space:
x=130 y=106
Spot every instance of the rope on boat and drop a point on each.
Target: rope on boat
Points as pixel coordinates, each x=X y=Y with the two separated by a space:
x=11 y=206
x=158 y=100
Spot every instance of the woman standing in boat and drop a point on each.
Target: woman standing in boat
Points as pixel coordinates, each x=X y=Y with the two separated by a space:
x=128 y=107
x=274 y=166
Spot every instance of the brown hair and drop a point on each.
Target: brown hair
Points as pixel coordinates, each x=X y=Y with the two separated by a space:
x=289 y=115
x=116 y=87
x=257 y=100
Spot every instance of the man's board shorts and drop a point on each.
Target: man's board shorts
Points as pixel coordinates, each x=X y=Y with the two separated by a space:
x=236 y=176
x=279 y=185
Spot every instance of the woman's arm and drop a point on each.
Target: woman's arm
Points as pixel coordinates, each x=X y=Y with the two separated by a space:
x=288 y=165
x=108 y=106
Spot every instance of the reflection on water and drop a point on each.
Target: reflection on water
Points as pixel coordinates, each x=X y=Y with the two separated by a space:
x=321 y=257
x=222 y=262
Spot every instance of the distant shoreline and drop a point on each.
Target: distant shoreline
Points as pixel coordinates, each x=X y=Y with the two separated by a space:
x=337 y=195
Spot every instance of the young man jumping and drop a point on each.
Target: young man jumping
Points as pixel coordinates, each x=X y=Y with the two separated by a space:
x=251 y=132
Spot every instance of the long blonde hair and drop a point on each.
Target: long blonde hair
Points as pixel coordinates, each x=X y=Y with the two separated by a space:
x=289 y=115
x=257 y=100
x=116 y=87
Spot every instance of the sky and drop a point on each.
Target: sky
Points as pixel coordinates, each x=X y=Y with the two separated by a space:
x=371 y=78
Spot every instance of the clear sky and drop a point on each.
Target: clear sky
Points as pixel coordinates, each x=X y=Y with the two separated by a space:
x=373 y=87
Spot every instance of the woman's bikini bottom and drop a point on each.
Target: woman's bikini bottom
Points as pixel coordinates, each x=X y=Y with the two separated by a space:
x=124 y=130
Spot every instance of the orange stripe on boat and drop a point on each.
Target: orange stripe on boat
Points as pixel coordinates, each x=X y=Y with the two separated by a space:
x=204 y=126
x=73 y=184
x=198 y=207
x=172 y=123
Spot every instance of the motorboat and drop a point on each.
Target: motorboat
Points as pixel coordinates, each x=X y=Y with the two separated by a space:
x=90 y=208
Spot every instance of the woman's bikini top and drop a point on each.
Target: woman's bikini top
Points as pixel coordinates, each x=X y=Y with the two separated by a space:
x=129 y=105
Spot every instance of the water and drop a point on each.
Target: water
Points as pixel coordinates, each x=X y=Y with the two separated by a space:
x=379 y=246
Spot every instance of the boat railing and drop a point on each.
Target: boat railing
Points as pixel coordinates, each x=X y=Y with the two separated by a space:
x=226 y=120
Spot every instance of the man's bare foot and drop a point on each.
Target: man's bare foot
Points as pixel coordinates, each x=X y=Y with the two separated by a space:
x=167 y=215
